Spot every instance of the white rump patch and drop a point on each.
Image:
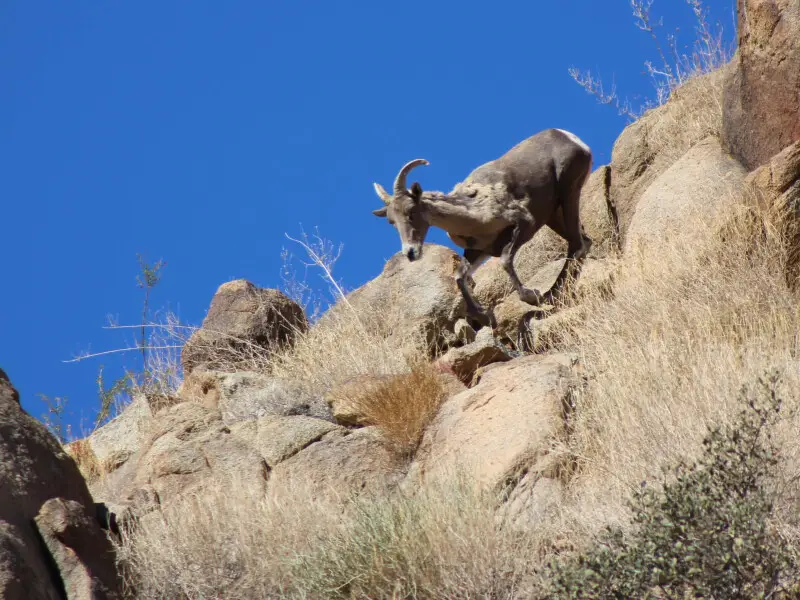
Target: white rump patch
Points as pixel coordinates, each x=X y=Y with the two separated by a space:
x=576 y=139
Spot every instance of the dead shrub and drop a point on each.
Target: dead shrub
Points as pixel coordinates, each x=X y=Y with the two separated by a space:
x=402 y=405
x=86 y=460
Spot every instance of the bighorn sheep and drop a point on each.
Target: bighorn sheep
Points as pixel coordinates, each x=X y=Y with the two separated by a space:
x=498 y=208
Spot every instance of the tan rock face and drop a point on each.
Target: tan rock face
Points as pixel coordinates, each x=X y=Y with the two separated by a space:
x=187 y=447
x=762 y=93
x=693 y=190
x=340 y=464
x=648 y=147
x=245 y=395
x=35 y=473
x=419 y=297
x=777 y=185
x=242 y=316
x=110 y=446
x=503 y=424
x=80 y=550
x=464 y=361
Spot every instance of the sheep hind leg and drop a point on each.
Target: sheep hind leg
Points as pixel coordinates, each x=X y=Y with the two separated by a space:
x=519 y=235
x=578 y=248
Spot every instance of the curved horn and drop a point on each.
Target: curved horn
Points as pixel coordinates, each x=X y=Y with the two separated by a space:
x=382 y=193
x=400 y=182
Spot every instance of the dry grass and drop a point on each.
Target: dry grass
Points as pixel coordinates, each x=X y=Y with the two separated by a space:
x=664 y=358
x=401 y=405
x=689 y=326
x=346 y=344
x=672 y=68
x=85 y=458
x=438 y=544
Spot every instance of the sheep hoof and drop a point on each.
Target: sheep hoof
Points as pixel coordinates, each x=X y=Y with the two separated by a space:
x=531 y=296
x=482 y=318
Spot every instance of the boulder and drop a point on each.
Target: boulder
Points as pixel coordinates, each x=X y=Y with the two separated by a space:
x=503 y=425
x=36 y=474
x=339 y=465
x=515 y=318
x=761 y=106
x=245 y=395
x=108 y=447
x=464 y=332
x=242 y=320
x=414 y=298
x=79 y=549
x=188 y=448
x=465 y=360
x=278 y=438
x=689 y=194
x=777 y=186
x=650 y=145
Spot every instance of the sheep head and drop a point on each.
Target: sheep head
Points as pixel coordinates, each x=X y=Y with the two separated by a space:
x=405 y=210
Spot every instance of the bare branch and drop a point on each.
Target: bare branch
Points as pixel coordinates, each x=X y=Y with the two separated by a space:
x=117 y=351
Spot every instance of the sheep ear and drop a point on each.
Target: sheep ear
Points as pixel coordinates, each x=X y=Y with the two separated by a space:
x=381 y=212
x=416 y=191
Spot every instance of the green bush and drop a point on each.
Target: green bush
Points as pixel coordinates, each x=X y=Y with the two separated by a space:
x=704 y=533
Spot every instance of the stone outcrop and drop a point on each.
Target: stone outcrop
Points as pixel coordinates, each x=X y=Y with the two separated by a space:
x=79 y=550
x=416 y=298
x=691 y=192
x=109 y=447
x=501 y=426
x=51 y=547
x=242 y=320
x=649 y=146
x=339 y=465
x=245 y=395
x=465 y=360
x=762 y=92
x=187 y=446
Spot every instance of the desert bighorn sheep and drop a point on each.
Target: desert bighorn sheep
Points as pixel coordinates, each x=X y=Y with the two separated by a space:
x=498 y=208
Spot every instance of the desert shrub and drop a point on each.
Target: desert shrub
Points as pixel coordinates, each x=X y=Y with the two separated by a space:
x=705 y=532
x=440 y=542
x=402 y=405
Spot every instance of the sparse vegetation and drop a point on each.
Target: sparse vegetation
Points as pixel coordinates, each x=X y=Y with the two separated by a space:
x=673 y=67
x=441 y=543
x=705 y=532
x=53 y=419
x=159 y=344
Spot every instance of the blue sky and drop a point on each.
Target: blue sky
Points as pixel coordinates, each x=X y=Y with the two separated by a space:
x=200 y=132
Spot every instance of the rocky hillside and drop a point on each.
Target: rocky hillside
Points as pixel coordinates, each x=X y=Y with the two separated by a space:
x=394 y=450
